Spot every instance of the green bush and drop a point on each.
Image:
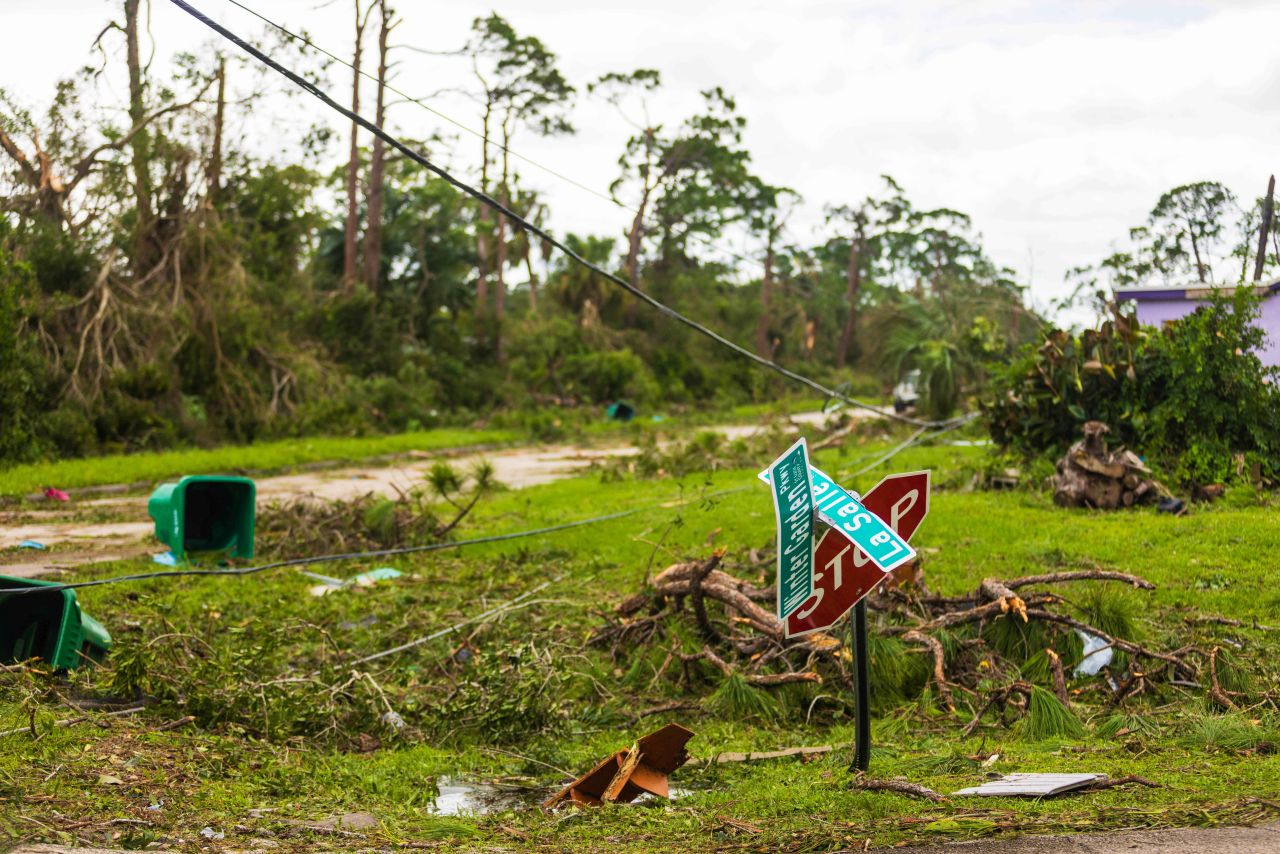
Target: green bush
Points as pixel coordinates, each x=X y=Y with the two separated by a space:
x=1193 y=397
x=607 y=376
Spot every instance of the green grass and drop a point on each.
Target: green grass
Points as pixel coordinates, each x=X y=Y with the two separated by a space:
x=245 y=754
x=262 y=456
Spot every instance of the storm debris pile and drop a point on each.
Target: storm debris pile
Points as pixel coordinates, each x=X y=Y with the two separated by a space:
x=1089 y=475
x=1009 y=652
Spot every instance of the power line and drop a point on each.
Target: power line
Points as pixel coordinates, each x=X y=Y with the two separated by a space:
x=613 y=200
x=915 y=438
x=302 y=561
x=429 y=547
x=496 y=205
x=424 y=105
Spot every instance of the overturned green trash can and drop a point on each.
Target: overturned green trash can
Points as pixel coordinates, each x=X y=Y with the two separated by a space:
x=48 y=624
x=205 y=513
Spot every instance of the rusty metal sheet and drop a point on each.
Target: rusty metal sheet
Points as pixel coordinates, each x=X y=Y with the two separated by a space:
x=628 y=774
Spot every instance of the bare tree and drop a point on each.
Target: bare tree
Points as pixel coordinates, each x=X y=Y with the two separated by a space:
x=213 y=175
x=640 y=157
x=143 y=248
x=351 y=232
x=1264 y=228
x=377 y=160
x=521 y=87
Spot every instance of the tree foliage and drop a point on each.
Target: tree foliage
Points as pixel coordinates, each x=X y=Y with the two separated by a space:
x=161 y=284
x=1193 y=396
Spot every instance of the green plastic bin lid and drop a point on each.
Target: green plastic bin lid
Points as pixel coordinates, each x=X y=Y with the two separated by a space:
x=205 y=513
x=48 y=625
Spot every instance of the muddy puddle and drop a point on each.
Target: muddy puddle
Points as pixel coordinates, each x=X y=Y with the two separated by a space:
x=476 y=797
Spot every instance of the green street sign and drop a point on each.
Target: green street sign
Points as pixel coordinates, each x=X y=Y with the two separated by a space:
x=788 y=477
x=846 y=515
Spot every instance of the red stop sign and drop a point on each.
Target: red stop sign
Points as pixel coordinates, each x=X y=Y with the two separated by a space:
x=842 y=574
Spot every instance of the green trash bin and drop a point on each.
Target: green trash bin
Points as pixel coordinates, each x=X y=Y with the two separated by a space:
x=205 y=513
x=48 y=624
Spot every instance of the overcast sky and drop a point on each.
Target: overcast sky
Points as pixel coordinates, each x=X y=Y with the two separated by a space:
x=1055 y=125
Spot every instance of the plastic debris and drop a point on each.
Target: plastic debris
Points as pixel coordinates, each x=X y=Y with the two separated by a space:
x=1033 y=785
x=362 y=623
x=32 y=544
x=157 y=806
x=364 y=579
x=165 y=559
x=627 y=774
x=368 y=579
x=1097 y=654
x=210 y=833
x=56 y=494
x=1171 y=505
x=620 y=410
x=393 y=720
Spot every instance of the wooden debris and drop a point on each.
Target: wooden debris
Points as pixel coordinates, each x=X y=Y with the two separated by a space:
x=762 y=755
x=1091 y=476
x=1215 y=687
x=1131 y=779
x=1059 y=676
x=627 y=774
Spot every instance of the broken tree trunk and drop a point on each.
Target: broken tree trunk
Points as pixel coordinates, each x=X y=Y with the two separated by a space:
x=1091 y=476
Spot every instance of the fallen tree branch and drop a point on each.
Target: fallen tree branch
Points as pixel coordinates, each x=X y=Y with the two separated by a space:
x=762 y=679
x=900 y=787
x=678 y=581
x=998 y=591
x=1215 y=687
x=1059 y=677
x=1123 y=645
x=709 y=634
x=1227 y=621
x=939 y=665
x=1081 y=575
x=757 y=756
x=1131 y=779
x=981 y=612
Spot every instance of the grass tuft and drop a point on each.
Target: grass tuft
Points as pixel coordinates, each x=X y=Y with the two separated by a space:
x=736 y=698
x=1121 y=724
x=1047 y=718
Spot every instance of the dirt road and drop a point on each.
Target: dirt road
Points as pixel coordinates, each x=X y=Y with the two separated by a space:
x=119 y=527
x=1263 y=839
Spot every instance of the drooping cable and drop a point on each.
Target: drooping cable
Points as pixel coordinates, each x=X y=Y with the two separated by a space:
x=514 y=217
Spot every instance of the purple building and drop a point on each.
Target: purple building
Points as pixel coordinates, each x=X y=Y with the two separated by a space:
x=1157 y=305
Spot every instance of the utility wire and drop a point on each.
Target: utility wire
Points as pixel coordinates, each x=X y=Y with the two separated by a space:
x=302 y=561
x=496 y=205
x=429 y=547
x=613 y=200
x=512 y=605
x=424 y=105
x=915 y=438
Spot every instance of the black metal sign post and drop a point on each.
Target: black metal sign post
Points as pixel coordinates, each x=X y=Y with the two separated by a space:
x=862 y=688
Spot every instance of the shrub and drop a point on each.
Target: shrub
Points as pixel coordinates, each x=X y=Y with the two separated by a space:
x=1193 y=397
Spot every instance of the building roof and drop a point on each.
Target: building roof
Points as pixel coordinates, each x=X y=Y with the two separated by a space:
x=1189 y=291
